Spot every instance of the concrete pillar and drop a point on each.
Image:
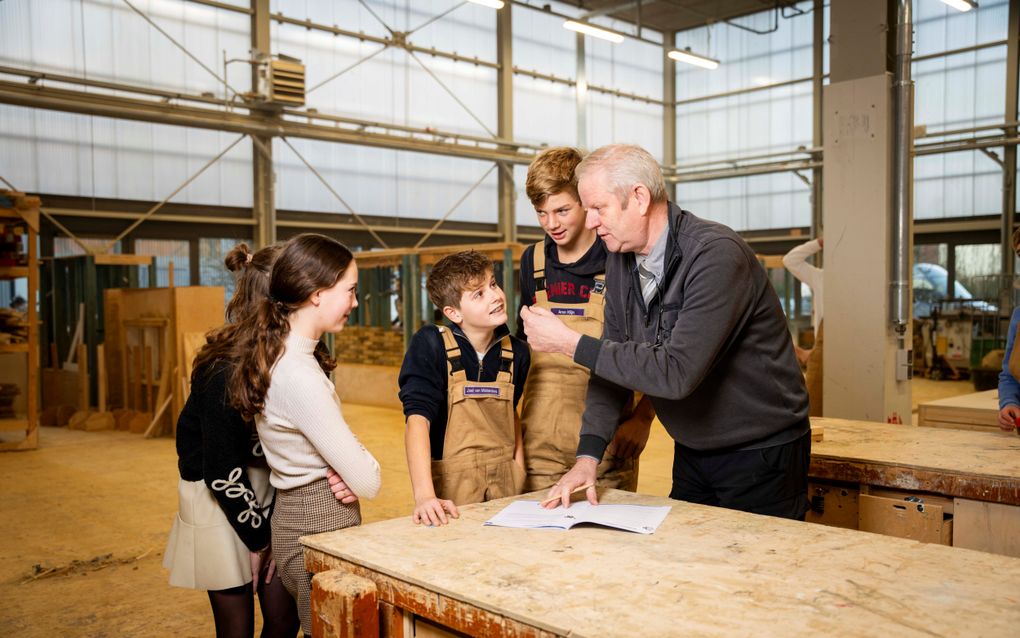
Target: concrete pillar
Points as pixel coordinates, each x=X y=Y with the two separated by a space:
x=857 y=202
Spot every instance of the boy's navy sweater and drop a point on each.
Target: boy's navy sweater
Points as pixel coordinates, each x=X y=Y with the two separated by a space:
x=424 y=377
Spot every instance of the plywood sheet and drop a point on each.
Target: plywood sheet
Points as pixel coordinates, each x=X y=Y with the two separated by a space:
x=706 y=571
x=988 y=527
x=976 y=411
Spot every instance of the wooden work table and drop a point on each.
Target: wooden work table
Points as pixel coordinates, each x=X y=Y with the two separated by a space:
x=968 y=479
x=706 y=571
x=984 y=466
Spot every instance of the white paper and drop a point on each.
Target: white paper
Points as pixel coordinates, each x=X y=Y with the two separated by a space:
x=642 y=519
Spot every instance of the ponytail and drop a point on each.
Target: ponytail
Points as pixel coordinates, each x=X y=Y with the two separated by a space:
x=258 y=343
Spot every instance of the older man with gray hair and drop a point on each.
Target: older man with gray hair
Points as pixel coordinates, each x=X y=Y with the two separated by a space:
x=692 y=321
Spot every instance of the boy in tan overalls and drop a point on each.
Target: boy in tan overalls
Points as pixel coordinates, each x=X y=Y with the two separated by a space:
x=459 y=387
x=565 y=273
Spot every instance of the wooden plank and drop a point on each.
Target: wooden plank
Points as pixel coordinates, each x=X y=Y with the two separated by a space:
x=101 y=372
x=956 y=463
x=833 y=504
x=110 y=259
x=113 y=343
x=988 y=527
x=83 y=377
x=965 y=411
x=903 y=519
x=13 y=425
x=345 y=606
x=705 y=571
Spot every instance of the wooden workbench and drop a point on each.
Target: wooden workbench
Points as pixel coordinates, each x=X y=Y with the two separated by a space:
x=706 y=571
x=974 y=477
x=976 y=411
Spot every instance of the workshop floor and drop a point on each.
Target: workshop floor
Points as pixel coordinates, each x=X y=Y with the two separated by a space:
x=96 y=507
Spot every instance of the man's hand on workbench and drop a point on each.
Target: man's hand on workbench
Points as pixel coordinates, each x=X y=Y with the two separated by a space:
x=584 y=472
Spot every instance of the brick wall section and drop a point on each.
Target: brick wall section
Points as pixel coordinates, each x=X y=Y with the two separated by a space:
x=371 y=345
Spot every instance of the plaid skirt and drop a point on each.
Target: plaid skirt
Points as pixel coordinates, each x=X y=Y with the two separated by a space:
x=309 y=509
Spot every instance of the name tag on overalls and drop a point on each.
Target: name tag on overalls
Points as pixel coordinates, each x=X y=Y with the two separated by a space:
x=480 y=391
x=569 y=312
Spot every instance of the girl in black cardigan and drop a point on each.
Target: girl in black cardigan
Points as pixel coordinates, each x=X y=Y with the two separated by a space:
x=220 y=538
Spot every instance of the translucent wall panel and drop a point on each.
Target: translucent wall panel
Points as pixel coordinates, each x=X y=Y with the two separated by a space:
x=613 y=120
x=106 y=40
x=541 y=43
x=392 y=87
x=67 y=247
x=68 y=154
x=211 y=269
x=165 y=251
x=747 y=59
x=959 y=91
x=939 y=28
x=765 y=121
x=383 y=182
x=631 y=66
x=961 y=184
x=748 y=203
x=522 y=205
x=544 y=112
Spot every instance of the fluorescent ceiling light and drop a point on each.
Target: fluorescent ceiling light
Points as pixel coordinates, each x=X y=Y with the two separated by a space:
x=693 y=58
x=583 y=27
x=961 y=5
x=495 y=4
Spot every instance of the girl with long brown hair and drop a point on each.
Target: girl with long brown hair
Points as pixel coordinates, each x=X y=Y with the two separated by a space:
x=221 y=536
x=279 y=383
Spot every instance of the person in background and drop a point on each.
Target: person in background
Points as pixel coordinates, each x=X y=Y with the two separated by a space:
x=1009 y=387
x=796 y=262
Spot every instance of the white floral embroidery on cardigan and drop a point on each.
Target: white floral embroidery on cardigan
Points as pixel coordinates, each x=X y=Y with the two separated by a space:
x=233 y=489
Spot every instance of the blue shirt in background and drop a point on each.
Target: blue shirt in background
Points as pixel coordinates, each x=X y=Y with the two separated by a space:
x=1009 y=387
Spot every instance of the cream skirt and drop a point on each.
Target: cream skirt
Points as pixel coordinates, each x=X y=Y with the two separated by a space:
x=204 y=551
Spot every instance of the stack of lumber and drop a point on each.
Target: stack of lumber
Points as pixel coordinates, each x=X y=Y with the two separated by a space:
x=13 y=328
x=8 y=391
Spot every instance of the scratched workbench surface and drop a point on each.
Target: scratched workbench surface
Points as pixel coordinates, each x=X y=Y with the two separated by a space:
x=706 y=571
x=963 y=463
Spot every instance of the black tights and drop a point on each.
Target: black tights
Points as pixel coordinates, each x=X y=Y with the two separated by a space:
x=234 y=611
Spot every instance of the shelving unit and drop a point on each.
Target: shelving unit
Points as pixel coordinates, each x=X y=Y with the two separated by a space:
x=22 y=211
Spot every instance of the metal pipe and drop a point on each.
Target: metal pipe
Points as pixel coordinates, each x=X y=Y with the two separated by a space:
x=902 y=178
x=1009 y=154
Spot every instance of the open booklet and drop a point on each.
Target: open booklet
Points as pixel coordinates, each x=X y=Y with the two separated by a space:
x=643 y=519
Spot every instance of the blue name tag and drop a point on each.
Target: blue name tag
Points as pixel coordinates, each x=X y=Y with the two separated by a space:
x=480 y=391
x=569 y=312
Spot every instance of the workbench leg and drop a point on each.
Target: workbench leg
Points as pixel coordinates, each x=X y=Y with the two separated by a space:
x=343 y=606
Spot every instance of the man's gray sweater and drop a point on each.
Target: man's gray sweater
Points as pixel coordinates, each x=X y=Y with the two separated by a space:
x=712 y=349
